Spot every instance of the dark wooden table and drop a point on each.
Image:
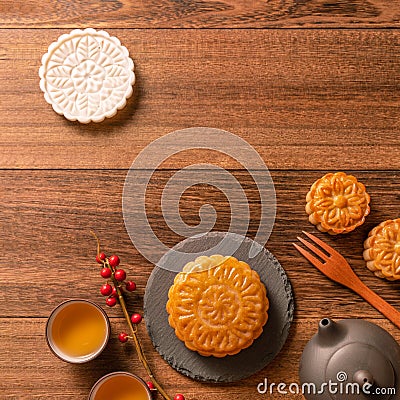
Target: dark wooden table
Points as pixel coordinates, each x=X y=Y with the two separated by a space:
x=313 y=85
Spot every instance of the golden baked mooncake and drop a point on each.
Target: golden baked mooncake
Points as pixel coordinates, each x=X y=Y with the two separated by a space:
x=217 y=305
x=337 y=203
x=382 y=250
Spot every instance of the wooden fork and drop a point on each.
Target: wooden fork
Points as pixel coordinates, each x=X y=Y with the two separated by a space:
x=338 y=269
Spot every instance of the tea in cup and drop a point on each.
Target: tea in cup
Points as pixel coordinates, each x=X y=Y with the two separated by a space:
x=77 y=331
x=120 y=386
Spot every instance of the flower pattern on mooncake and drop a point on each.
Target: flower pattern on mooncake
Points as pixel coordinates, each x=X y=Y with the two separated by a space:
x=382 y=250
x=87 y=75
x=220 y=309
x=337 y=203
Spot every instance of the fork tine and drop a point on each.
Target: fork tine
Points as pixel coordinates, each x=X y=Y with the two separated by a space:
x=309 y=256
x=325 y=246
x=314 y=249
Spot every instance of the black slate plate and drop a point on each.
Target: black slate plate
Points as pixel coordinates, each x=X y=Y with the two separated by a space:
x=248 y=361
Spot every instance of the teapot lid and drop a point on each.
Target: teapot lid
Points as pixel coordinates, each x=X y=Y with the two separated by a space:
x=361 y=364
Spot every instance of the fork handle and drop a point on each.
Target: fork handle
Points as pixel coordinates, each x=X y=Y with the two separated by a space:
x=376 y=301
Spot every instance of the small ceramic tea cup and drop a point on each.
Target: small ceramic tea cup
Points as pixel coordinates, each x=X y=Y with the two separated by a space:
x=120 y=386
x=77 y=331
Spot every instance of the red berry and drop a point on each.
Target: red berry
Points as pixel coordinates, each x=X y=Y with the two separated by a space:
x=113 y=260
x=100 y=258
x=130 y=286
x=179 y=397
x=150 y=385
x=106 y=289
x=114 y=292
x=111 y=301
x=123 y=337
x=120 y=275
x=136 y=318
x=105 y=273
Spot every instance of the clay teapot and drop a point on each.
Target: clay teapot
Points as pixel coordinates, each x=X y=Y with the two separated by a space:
x=350 y=359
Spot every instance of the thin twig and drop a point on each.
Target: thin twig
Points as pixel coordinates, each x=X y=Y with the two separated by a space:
x=133 y=328
x=98 y=242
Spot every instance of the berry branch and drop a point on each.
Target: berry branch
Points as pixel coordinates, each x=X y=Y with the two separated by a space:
x=116 y=276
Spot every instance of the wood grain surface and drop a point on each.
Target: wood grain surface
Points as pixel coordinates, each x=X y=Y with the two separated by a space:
x=304 y=99
x=46 y=220
x=321 y=97
x=200 y=13
x=22 y=378
x=47 y=216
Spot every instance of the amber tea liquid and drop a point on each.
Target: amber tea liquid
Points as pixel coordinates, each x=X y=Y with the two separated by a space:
x=78 y=331
x=120 y=386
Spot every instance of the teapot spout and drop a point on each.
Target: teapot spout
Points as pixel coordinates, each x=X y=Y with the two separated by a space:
x=329 y=332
